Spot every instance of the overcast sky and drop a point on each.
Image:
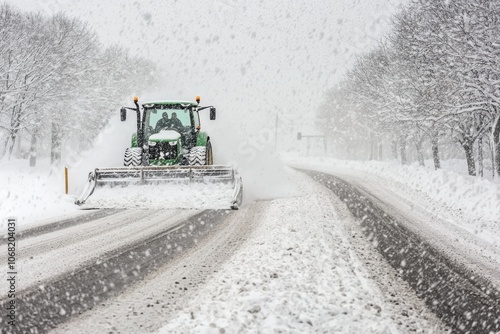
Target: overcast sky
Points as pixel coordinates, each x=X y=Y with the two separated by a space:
x=250 y=58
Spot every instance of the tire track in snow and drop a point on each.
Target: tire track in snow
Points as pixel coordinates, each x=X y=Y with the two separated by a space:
x=69 y=249
x=43 y=307
x=461 y=298
x=62 y=224
x=146 y=307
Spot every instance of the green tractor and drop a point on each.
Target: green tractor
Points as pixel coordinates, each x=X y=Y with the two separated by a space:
x=167 y=146
x=168 y=133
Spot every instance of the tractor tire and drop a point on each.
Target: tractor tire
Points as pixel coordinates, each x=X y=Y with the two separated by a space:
x=133 y=156
x=210 y=156
x=197 y=156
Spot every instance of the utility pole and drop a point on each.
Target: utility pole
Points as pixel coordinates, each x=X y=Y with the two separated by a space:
x=276 y=135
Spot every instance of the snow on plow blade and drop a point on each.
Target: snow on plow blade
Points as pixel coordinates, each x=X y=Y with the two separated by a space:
x=158 y=174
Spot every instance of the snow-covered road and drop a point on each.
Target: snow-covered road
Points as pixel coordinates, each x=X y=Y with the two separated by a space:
x=57 y=253
x=297 y=264
x=468 y=237
x=65 y=272
x=304 y=270
x=438 y=225
x=465 y=297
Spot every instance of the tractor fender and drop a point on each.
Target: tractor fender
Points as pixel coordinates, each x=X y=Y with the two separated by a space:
x=133 y=142
x=202 y=138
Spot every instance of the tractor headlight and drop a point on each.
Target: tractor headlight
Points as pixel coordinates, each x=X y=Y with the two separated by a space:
x=172 y=143
x=151 y=143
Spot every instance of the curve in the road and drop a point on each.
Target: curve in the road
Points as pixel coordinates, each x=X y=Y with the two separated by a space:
x=462 y=299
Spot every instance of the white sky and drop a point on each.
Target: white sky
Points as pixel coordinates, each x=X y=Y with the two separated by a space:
x=249 y=58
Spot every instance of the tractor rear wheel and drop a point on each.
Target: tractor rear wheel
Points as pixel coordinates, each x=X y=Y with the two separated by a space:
x=133 y=156
x=210 y=157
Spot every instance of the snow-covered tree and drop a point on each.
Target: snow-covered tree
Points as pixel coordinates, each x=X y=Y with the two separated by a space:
x=434 y=77
x=58 y=84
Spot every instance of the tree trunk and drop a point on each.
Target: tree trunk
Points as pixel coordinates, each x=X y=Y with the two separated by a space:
x=13 y=136
x=4 y=147
x=480 y=156
x=435 y=150
x=375 y=149
x=394 y=149
x=402 y=141
x=15 y=122
x=469 y=155
x=55 y=149
x=370 y=158
x=380 y=152
x=34 y=140
x=492 y=156
x=420 y=153
x=496 y=144
x=19 y=146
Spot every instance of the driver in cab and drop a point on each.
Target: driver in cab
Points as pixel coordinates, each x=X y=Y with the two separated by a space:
x=162 y=123
x=175 y=123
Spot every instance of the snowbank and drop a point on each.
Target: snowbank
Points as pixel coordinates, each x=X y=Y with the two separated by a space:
x=475 y=201
x=32 y=194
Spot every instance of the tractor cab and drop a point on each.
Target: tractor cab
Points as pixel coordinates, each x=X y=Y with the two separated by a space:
x=165 y=121
x=168 y=133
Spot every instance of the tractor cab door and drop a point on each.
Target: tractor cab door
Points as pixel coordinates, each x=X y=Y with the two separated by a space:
x=196 y=120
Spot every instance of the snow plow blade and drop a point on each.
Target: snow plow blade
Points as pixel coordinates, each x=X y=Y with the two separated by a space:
x=167 y=174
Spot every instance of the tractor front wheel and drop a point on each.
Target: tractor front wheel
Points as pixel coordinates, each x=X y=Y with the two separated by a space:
x=133 y=156
x=201 y=155
x=197 y=156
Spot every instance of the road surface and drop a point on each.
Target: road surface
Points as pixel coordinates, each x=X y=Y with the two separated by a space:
x=340 y=256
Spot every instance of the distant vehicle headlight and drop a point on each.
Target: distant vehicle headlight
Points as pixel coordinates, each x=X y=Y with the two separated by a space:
x=152 y=143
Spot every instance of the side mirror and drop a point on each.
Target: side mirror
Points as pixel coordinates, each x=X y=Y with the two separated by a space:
x=212 y=113
x=123 y=114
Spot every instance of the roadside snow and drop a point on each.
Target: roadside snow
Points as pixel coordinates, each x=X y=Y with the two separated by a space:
x=296 y=273
x=31 y=195
x=475 y=198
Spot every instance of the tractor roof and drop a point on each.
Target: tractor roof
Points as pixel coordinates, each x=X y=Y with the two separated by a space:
x=171 y=103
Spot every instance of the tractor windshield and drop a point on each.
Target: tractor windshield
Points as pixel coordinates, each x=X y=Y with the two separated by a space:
x=169 y=119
